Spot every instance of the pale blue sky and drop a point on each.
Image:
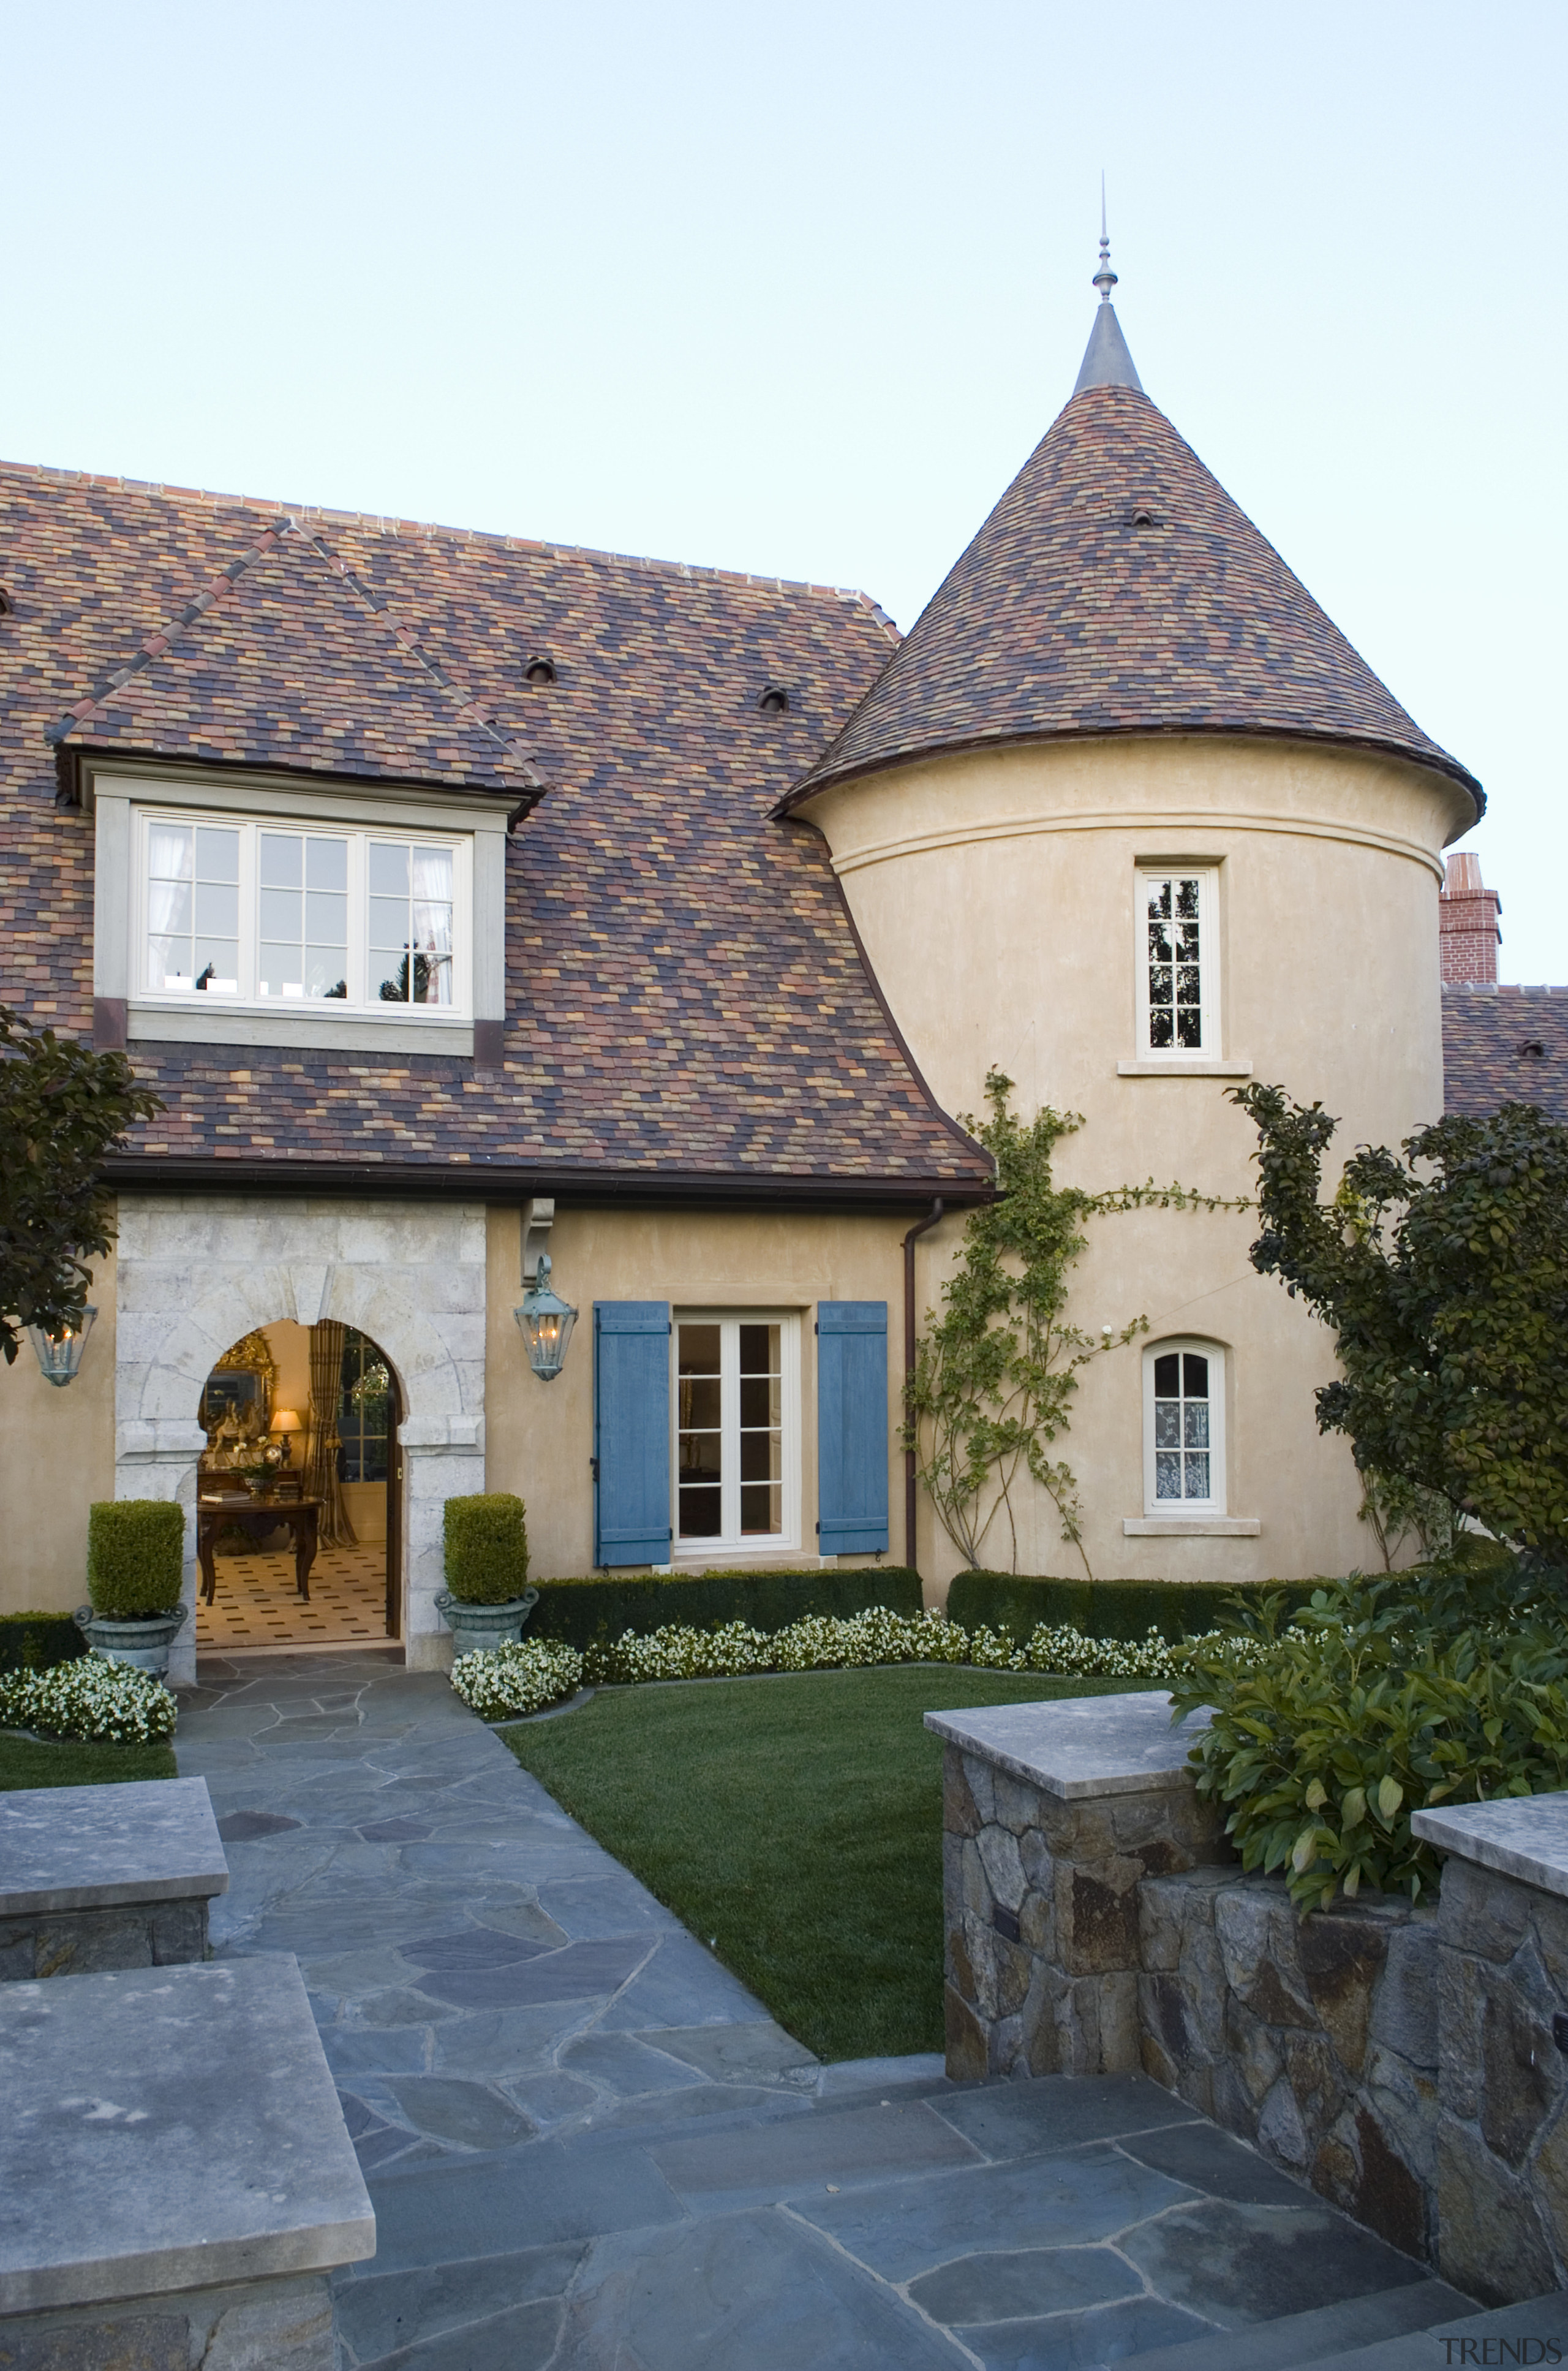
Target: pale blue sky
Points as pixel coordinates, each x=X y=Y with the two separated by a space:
x=797 y=288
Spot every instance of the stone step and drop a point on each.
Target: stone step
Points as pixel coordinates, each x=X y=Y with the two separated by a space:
x=1536 y=2332
x=1305 y=2341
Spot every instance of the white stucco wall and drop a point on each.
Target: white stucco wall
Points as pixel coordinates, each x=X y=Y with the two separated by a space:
x=198 y=1271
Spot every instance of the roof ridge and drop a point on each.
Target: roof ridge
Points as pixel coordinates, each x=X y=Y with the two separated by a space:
x=470 y=710
x=387 y=522
x=158 y=643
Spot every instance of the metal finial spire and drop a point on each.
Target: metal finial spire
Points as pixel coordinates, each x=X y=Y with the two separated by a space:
x=1104 y=279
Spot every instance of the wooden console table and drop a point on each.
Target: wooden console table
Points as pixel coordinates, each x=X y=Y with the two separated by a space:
x=300 y=1515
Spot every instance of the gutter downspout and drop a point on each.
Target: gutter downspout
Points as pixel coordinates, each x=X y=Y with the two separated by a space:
x=920 y=1227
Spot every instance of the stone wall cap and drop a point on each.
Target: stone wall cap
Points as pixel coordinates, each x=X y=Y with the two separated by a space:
x=1519 y=1835
x=92 y=1847
x=169 y=2128
x=1080 y=1746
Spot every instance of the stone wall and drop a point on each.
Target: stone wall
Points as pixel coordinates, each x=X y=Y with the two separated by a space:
x=1105 y=1934
x=1314 y=2038
x=82 y=1942
x=1503 y=2128
x=1409 y=2061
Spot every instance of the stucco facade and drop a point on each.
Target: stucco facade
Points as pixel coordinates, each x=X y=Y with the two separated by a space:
x=995 y=893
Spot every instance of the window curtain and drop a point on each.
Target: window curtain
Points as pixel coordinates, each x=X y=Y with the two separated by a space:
x=321 y=1479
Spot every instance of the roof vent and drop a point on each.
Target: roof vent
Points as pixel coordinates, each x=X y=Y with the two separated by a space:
x=1532 y=1050
x=540 y=669
x=8 y=607
x=775 y=700
x=1142 y=514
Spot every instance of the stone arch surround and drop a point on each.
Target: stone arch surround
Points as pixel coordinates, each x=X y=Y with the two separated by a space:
x=195 y=1272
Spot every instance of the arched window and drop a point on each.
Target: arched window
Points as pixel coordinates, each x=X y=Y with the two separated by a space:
x=1185 y=1428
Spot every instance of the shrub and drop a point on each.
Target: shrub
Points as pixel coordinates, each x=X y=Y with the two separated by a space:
x=109 y=1704
x=33 y=1642
x=599 y=1606
x=486 y=1548
x=136 y=1557
x=1381 y=1698
x=510 y=1681
x=1105 y=1609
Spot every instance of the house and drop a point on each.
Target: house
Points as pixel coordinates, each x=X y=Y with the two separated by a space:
x=467 y=899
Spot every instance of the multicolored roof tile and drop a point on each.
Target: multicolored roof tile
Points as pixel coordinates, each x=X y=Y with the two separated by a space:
x=1506 y=1046
x=686 y=999
x=1118 y=588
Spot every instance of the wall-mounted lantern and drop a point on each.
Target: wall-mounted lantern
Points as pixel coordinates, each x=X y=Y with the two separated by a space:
x=546 y=1322
x=60 y=1354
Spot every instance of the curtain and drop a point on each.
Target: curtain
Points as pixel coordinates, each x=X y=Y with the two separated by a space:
x=321 y=1465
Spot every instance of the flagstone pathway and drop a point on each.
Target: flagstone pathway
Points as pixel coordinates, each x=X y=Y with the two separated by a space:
x=591 y=2149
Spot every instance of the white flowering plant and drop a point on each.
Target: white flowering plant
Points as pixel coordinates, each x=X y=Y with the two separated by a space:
x=508 y=1682
x=95 y=1702
x=525 y=1676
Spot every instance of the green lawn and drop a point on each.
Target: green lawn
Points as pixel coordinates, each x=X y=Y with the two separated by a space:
x=27 y=1762
x=795 y=1822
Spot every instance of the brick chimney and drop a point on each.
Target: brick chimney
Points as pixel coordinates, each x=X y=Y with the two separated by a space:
x=1467 y=923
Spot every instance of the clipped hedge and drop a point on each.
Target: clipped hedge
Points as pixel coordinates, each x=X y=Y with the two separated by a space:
x=1018 y=1604
x=591 y=1607
x=36 y=1642
x=136 y=1557
x=486 y=1545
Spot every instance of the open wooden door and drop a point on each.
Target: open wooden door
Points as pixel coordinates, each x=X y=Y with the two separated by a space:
x=394 y=1508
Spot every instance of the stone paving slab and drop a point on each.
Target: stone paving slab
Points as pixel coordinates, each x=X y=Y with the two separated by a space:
x=588 y=2143
x=93 y=1847
x=151 y=2139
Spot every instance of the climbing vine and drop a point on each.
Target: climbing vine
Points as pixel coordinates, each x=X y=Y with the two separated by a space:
x=996 y=1371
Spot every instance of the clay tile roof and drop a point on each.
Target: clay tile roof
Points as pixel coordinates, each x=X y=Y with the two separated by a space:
x=1118 y=588
x=1506 y=1046
x=685 y=996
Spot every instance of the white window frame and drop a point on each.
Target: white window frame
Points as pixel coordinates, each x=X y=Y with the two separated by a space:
x=732 y=1543
x=363 y=1001
x=1187 y=1509
x=113 y=790
x=1211 y=1050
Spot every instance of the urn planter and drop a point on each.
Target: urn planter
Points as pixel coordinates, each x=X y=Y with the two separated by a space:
x=476 y=1627
x=143 y=1644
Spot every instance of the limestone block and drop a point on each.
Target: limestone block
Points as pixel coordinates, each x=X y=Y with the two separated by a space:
x=978 y=1775
x=1254 y=2051
x=1342 y=1956
x=1482 y=1912
x=967 y=2043
x=1489 y=2240
x=1280 y=2129
x=960 y=1817
x=1014 y=1806
x=1521 y=2069
x=1162 y=1909
x=1404 y=2010
x=999 y=1852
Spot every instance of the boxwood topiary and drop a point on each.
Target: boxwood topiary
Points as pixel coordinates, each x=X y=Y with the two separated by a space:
x=1107 y=1609
x=136 y=1557
x=591 y=1608
x=486 y=1548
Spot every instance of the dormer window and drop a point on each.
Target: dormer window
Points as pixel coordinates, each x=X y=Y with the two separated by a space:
x=775 y=700
x=265 y=916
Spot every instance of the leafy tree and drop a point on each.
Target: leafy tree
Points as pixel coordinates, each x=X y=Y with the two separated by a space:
x=62 y=1106
x=1444 y=1274
x=996 y=1372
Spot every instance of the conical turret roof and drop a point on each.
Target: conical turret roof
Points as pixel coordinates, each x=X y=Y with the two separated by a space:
x=1118 y=588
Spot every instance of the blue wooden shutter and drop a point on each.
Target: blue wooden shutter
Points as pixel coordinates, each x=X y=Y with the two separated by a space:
x=631 y=1432
x=851 y=1427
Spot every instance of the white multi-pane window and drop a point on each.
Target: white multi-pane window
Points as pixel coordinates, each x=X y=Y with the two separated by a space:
x=1185 y=1428
x=736 y=1392
x=1178 y=962
x=268 y=914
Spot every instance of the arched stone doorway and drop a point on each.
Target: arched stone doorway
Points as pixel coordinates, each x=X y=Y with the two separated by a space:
x=307 y=1416
x=199 y=1272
